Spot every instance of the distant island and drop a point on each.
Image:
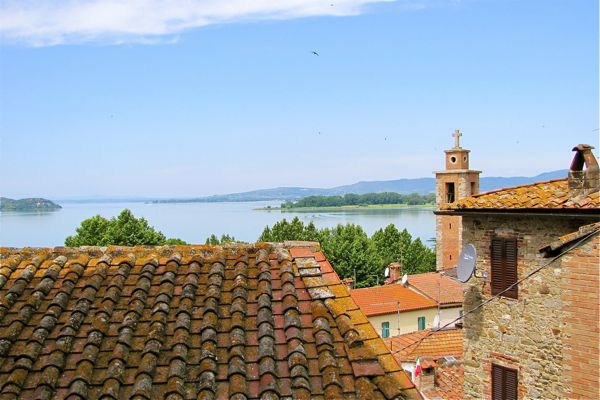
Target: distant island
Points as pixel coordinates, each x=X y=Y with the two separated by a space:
x=385 y=199
x=31 y=204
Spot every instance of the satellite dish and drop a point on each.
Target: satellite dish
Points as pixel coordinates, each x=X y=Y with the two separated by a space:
x=386 y=273
x=436 y=321
x=466 y=263
x=405 y=280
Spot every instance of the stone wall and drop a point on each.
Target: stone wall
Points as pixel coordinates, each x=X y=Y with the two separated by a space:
x=524 y=333
x=581 y=325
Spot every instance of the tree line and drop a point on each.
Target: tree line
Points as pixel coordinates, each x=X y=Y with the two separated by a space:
x=351 y=252
x=352 y=199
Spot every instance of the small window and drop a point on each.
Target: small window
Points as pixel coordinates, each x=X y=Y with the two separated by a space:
x=421 y=323
x=450 y=192
x=473 y=188
x=385 y=329
x=452 y=159
x=504 y=383
x=450 y=225
x=504 y=266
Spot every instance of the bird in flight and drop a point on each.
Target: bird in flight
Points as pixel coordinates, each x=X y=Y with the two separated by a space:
x=315 y=53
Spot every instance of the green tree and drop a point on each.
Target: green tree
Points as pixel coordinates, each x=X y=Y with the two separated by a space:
x=389 y=244
x=350 y=251
x=293 y=230
x=92 y=232
x=123 y=230
x=214 y=240
x=418 y=258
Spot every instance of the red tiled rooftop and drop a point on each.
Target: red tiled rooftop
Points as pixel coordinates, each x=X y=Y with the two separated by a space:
x=238 y=321
x=381 y=300
x=434 y=285
x=442 y=343
x=540 y=195
x=449 y=382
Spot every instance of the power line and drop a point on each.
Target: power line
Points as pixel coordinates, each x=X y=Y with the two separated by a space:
x=535 y=271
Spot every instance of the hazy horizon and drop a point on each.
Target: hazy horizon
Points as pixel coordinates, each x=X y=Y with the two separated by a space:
x=143 y=197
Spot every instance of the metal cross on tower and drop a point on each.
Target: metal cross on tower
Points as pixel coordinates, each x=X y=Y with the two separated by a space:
x=457 y=136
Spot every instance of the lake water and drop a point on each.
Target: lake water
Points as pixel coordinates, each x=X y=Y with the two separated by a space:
x=194 y=222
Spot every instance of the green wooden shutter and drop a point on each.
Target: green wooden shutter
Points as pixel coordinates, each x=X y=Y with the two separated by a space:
x=385 y=329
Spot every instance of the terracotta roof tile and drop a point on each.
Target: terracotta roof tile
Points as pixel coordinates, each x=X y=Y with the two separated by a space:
x=238 y=321
x=379 y=300
x=434 y=285
x=410 y=346
x=541 y=195
x=449 y=381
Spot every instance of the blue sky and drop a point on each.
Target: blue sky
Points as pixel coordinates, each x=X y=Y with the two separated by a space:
x=202 y=97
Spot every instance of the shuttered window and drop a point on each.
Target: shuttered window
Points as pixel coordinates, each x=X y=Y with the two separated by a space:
x=421 y=323
x=504 y=383
x=504 y=266
x=385 y=329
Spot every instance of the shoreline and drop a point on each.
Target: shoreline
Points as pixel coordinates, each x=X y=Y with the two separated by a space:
x=343 y=208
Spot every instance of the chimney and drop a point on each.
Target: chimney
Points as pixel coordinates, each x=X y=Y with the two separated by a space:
x=395 y=273
x=349 y=283
x=426 y=381
x=583 y=181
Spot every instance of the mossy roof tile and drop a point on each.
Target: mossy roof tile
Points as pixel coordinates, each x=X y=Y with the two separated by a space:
x=183 y=321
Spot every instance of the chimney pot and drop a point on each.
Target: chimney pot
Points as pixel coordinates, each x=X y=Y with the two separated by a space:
x=395 y=273
x=583 y=181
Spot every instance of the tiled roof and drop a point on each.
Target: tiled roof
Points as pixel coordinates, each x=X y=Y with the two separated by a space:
x=434 y=285
x=380 y=300
x=180 y=322
x=541 y=195
x=442 y=343
x=449 y=382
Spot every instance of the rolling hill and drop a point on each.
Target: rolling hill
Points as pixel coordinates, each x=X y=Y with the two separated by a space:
x=403 y=186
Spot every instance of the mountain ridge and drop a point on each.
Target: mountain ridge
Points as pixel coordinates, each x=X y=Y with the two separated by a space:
x=403 y=186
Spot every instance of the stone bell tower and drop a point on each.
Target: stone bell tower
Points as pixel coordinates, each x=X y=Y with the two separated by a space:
x=456 y=182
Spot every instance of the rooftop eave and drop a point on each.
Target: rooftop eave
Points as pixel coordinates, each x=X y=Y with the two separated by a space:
x=566 y=212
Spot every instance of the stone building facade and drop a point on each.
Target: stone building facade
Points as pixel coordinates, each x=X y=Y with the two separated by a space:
x=454 y=183
x=548 y=335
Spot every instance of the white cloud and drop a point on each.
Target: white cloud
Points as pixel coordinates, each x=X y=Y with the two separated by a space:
x=53 y=22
